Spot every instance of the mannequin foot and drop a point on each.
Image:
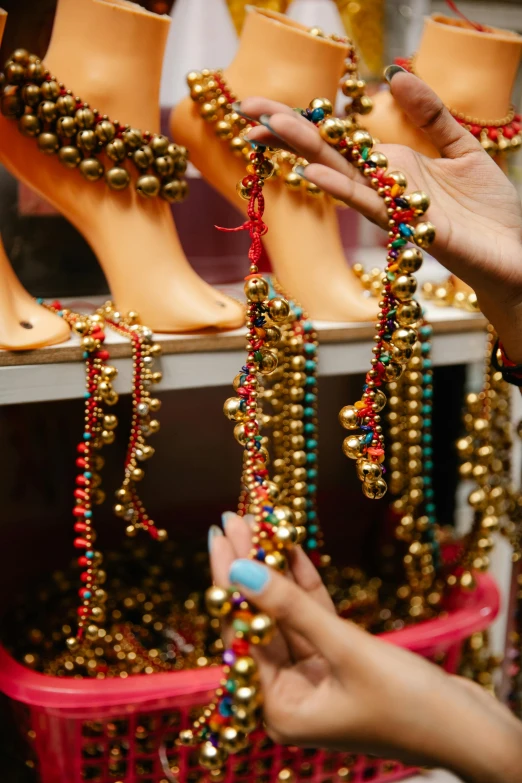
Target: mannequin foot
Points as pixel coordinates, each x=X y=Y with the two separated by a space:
x=133 y=238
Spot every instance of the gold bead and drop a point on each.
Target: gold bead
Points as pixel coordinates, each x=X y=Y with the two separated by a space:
x=264 y=169
x=232 y=740
x=238 y=146
x=410 y=260
x=379 y=401
x=284 y=515
x=478 y=500
x=401 y=183
x=131 y=531
x=363 y=139
x=419 y=202
x=20 y=56
x=154 y=405
x=159 y=145
x=489 y=145
x=261 y=630
x=217 y=600
x=331 y=130
x=72 y=643
x=322 y=103
x=268 y=362
x=232 y=409
x=313 y=190
x=244 y=720
x=186 y=738
x=362 y=105
x=285 y=536
x=273 y=335
x=276 y=560
x=353 y=88
x=174 y=191
x=375 y=490
x=247 y=697
x=29 y=125
x=403 y=287
x=244 y=669
x=240 y=434
x=368 y=471
x=137 y=474
x=393 y=371
x=404 y=338
x=424 y=234
x=91 y=169
x=516 y=142
x=353 y=446
x=48 y=143
x=92 y=632
x=408 y=313
x=108 y=437
x=117 y=178
x=256 y=289
x=278 y=309
x=293 y=180
x=379 y=159
x=348 y=416
x=211 y=757
x=209 y=111
x=162 y=534
x=148 y=186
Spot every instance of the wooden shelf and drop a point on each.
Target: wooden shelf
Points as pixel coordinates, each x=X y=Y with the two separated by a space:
x=194 y=361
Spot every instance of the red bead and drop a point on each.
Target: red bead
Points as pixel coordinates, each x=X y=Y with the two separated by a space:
x=240 y=646
x=83 y=561
x=81 y=448
x=103 y=355
x=81 y=494
x=57 y=305
x=153 y=531
x=80 y=527
x=242 y=391
x=83 y=611
x=82 y=592
x=79 y=511
x=493 y=134
x=508 y=132
x=81 y=543
x=85 y=577
x=516 y=126
x=81 y=480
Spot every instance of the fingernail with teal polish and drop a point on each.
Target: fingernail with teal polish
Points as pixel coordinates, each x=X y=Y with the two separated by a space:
x=301 y=170
x=213 y=532
x=225 y=517
x=236 y=106
x=392 y=70
x=249 y=574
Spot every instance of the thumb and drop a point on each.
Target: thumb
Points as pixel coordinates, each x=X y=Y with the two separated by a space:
x=426 y=111
x=293 y=608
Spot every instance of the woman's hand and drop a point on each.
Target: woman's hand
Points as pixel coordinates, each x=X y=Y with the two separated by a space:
x=327 y=683
x=475 y=209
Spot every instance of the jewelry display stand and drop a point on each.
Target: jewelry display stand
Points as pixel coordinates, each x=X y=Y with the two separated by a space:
x=473 y=72
x=135 y=240
x=303 y=243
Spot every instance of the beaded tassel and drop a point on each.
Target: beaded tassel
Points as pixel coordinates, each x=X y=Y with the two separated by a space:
x=225 y=724
x=399 y=313
x=144 y=351
x=98 y=430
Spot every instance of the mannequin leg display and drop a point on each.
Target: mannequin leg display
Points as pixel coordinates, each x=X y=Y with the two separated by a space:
x=110 y=54
x=472 y=71
x=279 y=59
x=23 y=323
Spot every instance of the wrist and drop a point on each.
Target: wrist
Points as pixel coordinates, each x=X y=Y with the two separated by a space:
x=507 y=322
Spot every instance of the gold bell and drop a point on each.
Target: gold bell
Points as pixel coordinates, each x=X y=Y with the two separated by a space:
x=29 y=125
x=91 y=169
x=419 y=202
x=349 y=418
x=268 y=362
x=148 y=186
x=322 y=103
x=368 y=471
x=256 y=289
x=232 y=409
x=117 y=178
x=261 y=630
x=48 y=143
x=70 y=157
x=217 y=600
x=353 y=446
x=424 y=234
x=278 y=309
x=331 y=130
x=403 y=287
x=375 y=490
x=211 y=757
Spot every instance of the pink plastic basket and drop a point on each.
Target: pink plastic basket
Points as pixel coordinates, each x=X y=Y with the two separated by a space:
x=108 y=731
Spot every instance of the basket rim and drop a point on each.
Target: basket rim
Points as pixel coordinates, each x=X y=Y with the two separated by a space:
x=467 y=613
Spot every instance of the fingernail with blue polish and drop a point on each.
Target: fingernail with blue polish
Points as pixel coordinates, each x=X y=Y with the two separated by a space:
x=301 y=170
x=249 y=574
x=392 y=70
x=236 y=106
x=214 y=532
x=225 y=517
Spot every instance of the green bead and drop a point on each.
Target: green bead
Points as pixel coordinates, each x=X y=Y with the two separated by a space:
x=311 y=444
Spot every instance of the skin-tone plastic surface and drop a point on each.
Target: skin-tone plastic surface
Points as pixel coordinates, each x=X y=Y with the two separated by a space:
x=23 y=323
x=473 y=72
x=278 y=59
x=110 y=54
